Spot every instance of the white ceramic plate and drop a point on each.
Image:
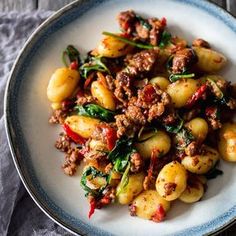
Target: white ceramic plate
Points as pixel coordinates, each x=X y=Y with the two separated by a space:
x=31 y=138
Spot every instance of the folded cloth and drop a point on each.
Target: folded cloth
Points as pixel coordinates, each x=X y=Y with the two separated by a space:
x=19 y=215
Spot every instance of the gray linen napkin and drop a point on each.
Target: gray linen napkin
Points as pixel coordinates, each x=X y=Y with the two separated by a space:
x=19 y=215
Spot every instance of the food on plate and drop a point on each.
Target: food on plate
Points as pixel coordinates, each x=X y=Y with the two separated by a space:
x=147 y=114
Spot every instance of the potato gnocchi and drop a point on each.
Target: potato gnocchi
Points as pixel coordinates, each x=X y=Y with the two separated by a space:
x=147 y=113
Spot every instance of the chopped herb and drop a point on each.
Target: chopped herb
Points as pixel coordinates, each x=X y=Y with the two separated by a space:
x=120 y=154
x=165 y=39
x=184 y=138
x=128 y=41
x=124 y=180
x=93 y=110
x=95 y=64
x=175 y=77
x=91 y=174
x=72 y=54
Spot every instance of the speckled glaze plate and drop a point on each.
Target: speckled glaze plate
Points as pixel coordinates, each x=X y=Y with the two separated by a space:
x=32 y=139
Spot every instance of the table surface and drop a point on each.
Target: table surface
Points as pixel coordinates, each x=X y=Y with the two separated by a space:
x=29 y=5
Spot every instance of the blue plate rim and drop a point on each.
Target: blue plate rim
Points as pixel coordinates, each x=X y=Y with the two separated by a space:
x=210 y=7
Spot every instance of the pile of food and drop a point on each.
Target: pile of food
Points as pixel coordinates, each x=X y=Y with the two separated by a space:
x=147 y=114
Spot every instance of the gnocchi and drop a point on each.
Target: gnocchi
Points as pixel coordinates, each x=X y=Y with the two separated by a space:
x=82 y=125
x=202 y=163
x=209 y=60
x=132 y=189
x=103 y=95
x=162 y=82
x=158 y=140
x=199 y=128
x=193 y=192
x=146 y=204
x=62 y=84
x=171 y=181
x=227 y=142
x=112 y=47
x=182 y=90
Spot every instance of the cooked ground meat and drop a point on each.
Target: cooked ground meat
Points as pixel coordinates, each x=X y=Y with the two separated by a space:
x=223 y=85
x=169 y=188
x=58 y=117
x=156 y=111
x=98 y=133
x=138 y=65
x=135 y=114
x=95 y=155
x=136 y=162
x=182 y=60
x=84 y=99
x=148 y=30
x=151 y=95
x=123 y=84
x=125 y=126
x=110 y=82
x=63 y=143
x=192 y=149
x=152 y=100
x=214 y=123
x=149 y=182
x=201 y=43
x=72 y=160
x=126 y=21
x=149 y=105
x=170 y=117
x=142 y=62
x=212 y=116
x=69 y=168
x=156 y=31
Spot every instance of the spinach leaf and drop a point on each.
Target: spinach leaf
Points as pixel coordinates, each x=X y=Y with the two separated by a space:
x=72 y=53
x=165 y=39
x=93 y=110
x=120 y=154
x=90 y=174
x=184 y=138
x=213 y=173
x=124 y=180
x=95 y=64
x=175 y=128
